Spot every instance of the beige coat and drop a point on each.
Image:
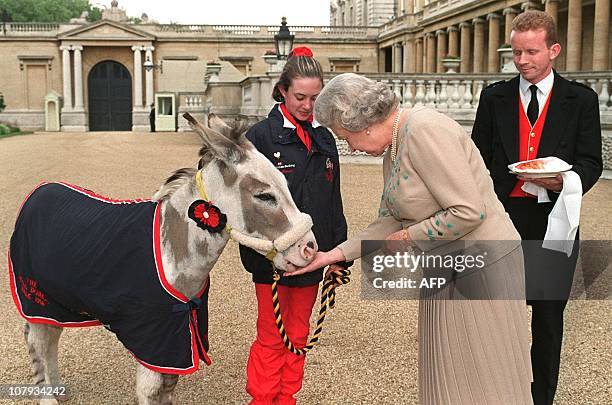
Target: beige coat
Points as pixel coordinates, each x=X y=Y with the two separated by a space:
x=471 y=351
x=438 y=188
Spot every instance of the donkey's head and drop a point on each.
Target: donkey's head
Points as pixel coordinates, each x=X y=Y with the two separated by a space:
x=253 y=195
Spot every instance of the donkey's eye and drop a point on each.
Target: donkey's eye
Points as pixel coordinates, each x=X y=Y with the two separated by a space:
x=266 y=197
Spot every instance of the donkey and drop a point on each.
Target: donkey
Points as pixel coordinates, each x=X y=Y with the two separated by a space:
x=235 y=193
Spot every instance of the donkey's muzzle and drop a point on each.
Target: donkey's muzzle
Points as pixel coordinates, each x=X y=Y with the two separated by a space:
x=308 y=250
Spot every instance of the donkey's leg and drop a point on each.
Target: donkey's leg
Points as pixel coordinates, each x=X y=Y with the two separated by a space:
x=37 y=365
x=168 y=387
x=42 y=341
x=149 y=386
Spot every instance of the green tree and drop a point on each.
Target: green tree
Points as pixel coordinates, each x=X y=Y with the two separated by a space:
x=48 y=10
x=2 y=105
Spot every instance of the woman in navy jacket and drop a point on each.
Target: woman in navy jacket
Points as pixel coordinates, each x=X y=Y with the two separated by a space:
x=306 y=154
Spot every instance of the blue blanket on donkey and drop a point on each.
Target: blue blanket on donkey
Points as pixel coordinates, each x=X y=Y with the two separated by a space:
x=79 y=259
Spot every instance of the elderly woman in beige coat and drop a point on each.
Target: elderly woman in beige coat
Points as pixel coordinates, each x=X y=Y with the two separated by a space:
x=437 y=191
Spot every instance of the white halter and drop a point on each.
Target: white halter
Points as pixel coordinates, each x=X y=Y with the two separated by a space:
x=269 y=248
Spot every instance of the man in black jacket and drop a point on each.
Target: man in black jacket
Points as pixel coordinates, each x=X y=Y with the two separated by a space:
x=539 y=114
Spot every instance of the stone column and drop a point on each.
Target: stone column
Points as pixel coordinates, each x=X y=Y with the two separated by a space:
x=419 y=55
x=493 y=57
x=441 y=34
x=431 y=53
x=510 y=13
x=397 y=58
x=149 y=77
x=478 y=44
x=453 y=40
x=552 y=8
x=137 y=77
x=409 y=6
x=574 y=35
x=409 y=56
x=419 y=5
x=78 y=78
x=66 y=78
x=600 y=36
x=382 y=60
x=466 y=48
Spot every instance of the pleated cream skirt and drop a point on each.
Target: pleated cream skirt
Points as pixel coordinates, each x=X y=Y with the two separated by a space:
x=474 y=352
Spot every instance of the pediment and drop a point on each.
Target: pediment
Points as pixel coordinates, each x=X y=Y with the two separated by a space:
x=106 y=30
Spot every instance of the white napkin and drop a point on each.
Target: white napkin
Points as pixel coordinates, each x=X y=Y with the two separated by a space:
x=564 y=218
x=540 y=191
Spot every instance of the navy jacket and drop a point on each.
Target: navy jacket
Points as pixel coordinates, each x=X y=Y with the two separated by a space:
x=314 y=183
x=80 y=259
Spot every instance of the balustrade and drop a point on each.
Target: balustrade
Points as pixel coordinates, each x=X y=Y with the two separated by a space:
x=462 y=92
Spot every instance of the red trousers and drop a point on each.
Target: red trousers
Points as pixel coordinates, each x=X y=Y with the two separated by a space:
x=274 y=374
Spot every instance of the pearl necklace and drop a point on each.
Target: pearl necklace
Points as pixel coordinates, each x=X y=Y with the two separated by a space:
x=394 y=134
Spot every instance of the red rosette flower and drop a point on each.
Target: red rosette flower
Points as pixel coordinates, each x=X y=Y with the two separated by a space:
x=207 y=216
x=301 y=51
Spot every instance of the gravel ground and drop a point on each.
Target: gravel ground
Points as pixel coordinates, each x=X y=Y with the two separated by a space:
x=368 y=352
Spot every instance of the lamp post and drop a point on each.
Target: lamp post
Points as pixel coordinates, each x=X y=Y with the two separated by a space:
x=283 y=41
x=149 y=65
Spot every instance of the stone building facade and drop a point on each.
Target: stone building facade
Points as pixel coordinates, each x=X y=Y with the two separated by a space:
x=416 y=35
x=116 y=65
x=106 y=75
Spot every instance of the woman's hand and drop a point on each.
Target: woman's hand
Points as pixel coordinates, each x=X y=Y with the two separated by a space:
x=321 y=259
x=397 y=242
x=333 y=270
x=402 y=234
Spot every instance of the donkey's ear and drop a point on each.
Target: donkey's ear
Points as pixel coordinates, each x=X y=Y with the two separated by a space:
x=216 y=142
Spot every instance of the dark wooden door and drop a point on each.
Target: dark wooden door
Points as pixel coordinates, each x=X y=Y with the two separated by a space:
x=110 y=97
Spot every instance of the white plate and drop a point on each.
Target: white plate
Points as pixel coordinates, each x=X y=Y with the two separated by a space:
x=539 y=175
x=553 y=166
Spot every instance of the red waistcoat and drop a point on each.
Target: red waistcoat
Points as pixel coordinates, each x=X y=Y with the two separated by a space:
x=529 y=141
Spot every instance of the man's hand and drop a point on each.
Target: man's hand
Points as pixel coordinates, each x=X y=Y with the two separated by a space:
x=549 y=183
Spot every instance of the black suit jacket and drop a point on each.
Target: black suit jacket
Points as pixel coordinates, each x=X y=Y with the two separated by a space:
x=572 y=132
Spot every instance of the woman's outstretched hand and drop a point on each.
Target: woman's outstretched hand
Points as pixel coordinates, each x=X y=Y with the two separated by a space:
x=322 y=259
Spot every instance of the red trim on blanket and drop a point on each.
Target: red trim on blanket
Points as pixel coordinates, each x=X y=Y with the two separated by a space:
x=167 y=370
x=102 y=198
x=206 y=359
x=195 y=360
x=157 y=252
x=40 y=319
x=26 y=199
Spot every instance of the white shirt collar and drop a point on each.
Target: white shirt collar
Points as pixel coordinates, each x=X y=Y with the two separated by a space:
x=544 y=86
x=288 y=124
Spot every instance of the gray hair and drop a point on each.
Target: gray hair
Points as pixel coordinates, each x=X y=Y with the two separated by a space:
x=354 y=102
